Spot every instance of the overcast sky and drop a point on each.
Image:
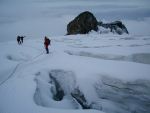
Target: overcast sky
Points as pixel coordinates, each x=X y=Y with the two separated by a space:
x=17 y=13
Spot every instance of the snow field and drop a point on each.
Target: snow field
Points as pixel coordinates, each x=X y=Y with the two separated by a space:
x=99 y=71
x=76 y=62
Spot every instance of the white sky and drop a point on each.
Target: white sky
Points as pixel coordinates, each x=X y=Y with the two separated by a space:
x=19 y=14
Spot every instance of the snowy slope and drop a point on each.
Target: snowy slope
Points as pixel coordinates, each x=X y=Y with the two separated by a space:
x=93 y=73
x=107 y=69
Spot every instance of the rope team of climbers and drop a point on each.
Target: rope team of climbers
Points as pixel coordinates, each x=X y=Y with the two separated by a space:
x=47 y=42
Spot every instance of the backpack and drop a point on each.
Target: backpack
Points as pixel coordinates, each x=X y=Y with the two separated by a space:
x=48 y=41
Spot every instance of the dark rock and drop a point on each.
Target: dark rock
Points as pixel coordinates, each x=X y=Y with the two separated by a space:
x=115 y=27
x=86 y=21
x=82 y=24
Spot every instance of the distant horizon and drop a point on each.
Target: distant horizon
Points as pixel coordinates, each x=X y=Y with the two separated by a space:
x=43 y=17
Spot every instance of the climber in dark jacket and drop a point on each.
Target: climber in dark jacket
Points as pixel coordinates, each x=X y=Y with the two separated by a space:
x=46 y=44
x=22 y=37
x=19 y=40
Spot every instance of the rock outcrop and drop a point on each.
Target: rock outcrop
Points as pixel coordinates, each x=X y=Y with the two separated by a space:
x=82 y=24
x=86 y=21
x=116 y=27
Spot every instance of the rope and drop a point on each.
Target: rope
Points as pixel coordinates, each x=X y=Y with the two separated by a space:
x=10 y=74
x=17 y=67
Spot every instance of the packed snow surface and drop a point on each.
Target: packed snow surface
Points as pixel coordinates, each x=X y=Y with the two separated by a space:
x=93 y=73
x=111 y=71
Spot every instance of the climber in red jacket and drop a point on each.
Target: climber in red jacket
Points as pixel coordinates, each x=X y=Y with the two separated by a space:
x=47 y=42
